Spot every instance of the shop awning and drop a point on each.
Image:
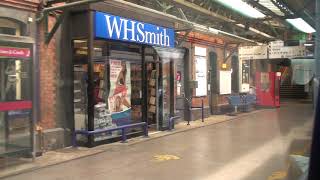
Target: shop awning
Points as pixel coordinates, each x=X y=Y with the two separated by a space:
x=169 y=53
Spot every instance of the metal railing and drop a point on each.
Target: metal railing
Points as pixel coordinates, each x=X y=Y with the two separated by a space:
x=99 y=131
x=190 y=107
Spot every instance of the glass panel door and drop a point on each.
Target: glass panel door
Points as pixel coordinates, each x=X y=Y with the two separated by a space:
x=15 y=109
x=165 y=94
x=80 y=86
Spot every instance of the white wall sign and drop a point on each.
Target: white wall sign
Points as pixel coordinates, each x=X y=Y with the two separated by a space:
x=225 y=82
x=200 y=51
x=245 y=87
x=201 y=75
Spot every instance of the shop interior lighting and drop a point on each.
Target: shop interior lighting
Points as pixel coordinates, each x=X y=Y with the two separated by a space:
x=308 y=45
x=79 y=41
x=269 y=5
x=301 y=25
x=242 y=7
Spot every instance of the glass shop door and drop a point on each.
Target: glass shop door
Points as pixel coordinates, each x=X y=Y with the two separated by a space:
x=16 y=124
x=166 y=90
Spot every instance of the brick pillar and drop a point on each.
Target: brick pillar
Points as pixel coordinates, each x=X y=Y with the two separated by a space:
x=48 y=77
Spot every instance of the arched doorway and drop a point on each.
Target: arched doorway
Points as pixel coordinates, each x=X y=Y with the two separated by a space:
x=13 y=27
x=214 y=89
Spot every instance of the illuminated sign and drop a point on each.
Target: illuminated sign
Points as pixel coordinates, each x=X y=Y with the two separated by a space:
x=118 y=28
x=15 y=52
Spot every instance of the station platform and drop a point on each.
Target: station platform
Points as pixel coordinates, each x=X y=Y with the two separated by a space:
x=249 y=146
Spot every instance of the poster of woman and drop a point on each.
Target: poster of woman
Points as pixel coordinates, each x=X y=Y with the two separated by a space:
x=120 y=91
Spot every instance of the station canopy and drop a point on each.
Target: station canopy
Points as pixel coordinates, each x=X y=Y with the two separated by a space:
x=248 y=21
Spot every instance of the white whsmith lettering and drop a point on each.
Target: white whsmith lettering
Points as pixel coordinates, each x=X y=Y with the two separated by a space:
x=137 y=32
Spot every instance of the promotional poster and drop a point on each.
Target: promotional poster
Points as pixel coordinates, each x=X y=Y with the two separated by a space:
x=120 y=92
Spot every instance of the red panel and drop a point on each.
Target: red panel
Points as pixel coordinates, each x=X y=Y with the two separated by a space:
x=15 y=105
x=270 y=97
x=15 y=52
x=277 y=91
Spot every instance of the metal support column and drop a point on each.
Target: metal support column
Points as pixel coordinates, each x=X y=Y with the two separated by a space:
x=317 y=54
x=313 y=173
x=144 y=88
x=90 y=87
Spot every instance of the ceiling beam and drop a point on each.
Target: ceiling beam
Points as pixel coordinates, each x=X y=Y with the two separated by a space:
x=196 y=8
x=192 y=6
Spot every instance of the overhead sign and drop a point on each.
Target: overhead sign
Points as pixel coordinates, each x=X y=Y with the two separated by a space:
x=278 y=50
x=108 y=26
x=15 y=52
x=253 y=52
x=275 y=50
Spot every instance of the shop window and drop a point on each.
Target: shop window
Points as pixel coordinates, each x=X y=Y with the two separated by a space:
x=6 y=30
x=80 y=84
x=116 y=81
x=15 y=106
x=117 y=87
x=15 y=78
x=10 y=27
x=245 y=71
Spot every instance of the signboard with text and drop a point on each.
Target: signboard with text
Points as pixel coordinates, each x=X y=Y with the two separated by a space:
x=15 y=52
x=274 y=50
x=253 y=52
x=278 y=50
x=108 y=26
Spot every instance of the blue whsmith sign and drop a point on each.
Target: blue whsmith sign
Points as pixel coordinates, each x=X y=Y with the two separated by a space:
x=118 y=28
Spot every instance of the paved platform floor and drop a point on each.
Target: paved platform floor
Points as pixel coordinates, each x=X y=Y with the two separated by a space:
x=253 y=147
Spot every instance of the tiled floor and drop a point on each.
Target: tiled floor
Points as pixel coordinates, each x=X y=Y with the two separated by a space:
x=251 y=147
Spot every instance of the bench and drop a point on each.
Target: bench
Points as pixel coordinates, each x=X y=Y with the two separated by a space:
x=122 y=128
x=251 y=99
x=241 y=101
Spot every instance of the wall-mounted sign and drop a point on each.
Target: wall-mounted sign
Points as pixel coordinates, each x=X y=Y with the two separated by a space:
x=225 y=82
x=15 y=52
x=108 y=26
x=201 y=75
x=200 y=51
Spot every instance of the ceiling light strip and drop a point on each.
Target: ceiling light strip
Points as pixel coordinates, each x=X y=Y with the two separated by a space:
x=242 y=7
x=301 y=25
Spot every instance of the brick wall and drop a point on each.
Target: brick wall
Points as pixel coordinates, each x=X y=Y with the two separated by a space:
x=48 y=77
x=47 y=63
x=26 y=5
x=215 y=44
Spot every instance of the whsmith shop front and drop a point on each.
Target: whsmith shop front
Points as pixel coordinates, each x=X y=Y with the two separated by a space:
x=119 y=67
